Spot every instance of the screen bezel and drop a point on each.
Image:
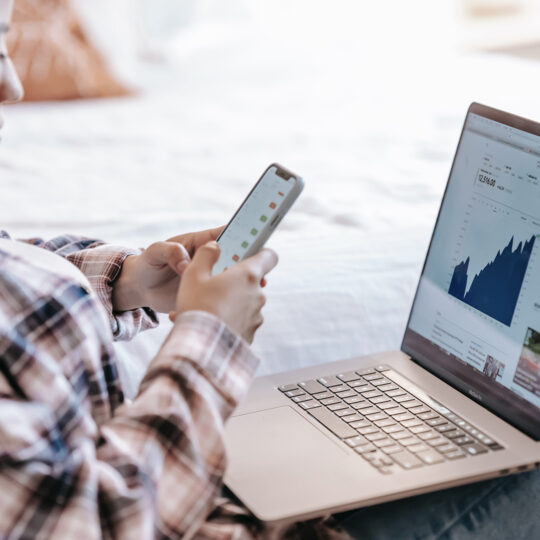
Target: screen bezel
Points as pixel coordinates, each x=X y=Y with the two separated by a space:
x=499 y=400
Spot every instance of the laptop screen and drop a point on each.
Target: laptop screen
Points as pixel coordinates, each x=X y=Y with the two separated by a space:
x=475 y=320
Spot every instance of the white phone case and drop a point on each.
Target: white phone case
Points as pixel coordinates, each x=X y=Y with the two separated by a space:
x=278 y=214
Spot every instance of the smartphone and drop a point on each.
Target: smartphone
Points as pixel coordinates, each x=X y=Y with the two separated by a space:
x=258 y=216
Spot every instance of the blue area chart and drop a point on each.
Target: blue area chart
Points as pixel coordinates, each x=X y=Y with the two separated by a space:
x=495 y=289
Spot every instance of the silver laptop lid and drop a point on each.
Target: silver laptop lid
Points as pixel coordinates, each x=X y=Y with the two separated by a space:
x=475 y=320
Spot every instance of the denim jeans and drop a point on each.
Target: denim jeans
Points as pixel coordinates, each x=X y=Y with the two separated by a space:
x=500 y=509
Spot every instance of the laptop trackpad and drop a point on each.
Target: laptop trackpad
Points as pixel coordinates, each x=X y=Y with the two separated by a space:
x=277 y=459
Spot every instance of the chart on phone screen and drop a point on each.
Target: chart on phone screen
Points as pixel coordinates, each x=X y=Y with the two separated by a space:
x=252 y=217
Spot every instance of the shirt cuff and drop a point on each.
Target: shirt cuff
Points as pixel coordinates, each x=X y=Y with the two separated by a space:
x=216 y=352
x=101 y=265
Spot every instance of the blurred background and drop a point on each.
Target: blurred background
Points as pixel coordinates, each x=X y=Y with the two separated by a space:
x=365 y=100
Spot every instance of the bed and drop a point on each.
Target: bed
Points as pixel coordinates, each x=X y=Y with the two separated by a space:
x=374 y=140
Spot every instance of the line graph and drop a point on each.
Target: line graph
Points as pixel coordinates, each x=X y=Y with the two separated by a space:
x=495 y=289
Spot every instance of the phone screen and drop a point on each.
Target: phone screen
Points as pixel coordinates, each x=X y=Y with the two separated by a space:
x=252 y=217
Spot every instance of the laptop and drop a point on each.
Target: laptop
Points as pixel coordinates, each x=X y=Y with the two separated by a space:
x=460 y=402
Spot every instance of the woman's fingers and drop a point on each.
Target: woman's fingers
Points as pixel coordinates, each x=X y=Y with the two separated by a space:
x=171 y=254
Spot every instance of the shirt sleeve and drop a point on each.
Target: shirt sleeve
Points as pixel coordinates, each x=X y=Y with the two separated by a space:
x=153 y=470
x=174 y=429
x=101 y=264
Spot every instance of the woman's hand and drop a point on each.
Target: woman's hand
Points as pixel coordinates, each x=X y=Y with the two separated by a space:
x=235 y=295
x=151 y=279
x=193 y=241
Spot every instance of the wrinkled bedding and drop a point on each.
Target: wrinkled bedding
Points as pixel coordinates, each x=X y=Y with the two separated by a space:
x=373 y=140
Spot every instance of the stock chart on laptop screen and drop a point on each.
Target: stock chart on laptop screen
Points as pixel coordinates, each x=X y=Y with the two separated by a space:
x=479 y=295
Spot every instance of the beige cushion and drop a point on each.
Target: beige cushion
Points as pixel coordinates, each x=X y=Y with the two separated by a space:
x=53 y=56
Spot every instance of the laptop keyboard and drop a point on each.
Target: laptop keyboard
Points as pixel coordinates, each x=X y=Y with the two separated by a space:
x=386 y=420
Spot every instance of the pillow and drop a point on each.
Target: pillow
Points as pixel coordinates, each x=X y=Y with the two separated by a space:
x=54 y=57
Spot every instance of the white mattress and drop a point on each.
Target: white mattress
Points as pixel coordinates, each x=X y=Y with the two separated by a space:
x=373 y=139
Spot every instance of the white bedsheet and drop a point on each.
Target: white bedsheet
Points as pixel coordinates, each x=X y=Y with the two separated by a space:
x=373 y=140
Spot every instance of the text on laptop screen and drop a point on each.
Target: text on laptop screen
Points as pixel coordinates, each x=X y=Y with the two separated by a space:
x=479 y=295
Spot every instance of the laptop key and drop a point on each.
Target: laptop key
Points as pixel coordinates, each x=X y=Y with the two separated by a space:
x=367 y=430
x=420 y=409
x=333 y=423
x=370 y=410
x=367 y=371
x=488 y=441
x=383 y=442
x=356 y=384
x=361 y=405
x=448 y=447
x=383 y=367
x=344 y=412
x=394 y=393
x=330 y=401
x=406 y=460
x=454 y=434
x=380 y=399
x=382 y=462
x=287 y=387
x=378 y=459
x=411 y=423
x=323 y=395
x=375 y=417
x=360 y=424
x=419 y=447
x=428 y=415
x=346 y=393
x=391 y=449
x=456 y=454
x=357 y=441
x=388 y=405
x=330 y=381
x=393 y=429
x=364 y=448
x=385 y=422
x=380 y=382
x=349 y=376
x=400 y=416
x=398 y=435
x=443 y=428
x=375 y=436
x=361 y=388
x=430 y=457
x=372 y=376
x=309 y=404
x=387 y=387
x=474 y=449
x=436 y=422
x=355 y=398
x=462 y=440
x=437 y=441
x=337 y=406
x=401 y=398
x=408 y=441
x=427 y=435
x=340 y=388
x=410 y=404
x=312 y=387
x=352 y=418
x=303 y=397
x=495 y=446
x=371 y=394
x=294 y=393
x=418 y=429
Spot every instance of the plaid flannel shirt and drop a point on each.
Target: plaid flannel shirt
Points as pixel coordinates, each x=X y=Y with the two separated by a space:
x=76 y=460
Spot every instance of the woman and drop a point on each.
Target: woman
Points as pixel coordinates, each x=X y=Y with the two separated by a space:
x=77 y=461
